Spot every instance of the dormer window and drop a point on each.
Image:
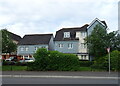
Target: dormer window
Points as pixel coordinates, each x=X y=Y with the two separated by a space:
x=66 y=34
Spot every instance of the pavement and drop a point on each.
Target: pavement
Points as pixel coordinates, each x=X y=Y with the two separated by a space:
x=58 y=74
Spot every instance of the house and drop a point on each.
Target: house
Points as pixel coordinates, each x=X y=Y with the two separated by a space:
x=15 y=38
x=30 y=43
x=71 y=40
x=95 y=22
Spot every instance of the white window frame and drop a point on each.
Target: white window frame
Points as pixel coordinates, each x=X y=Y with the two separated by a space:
x=21 y=48
x=70 y=45
x=36 y=48
x=66 y=34
x=60 y=45
x=83 y=34
x=26 y=48
x=43 y=47
x=84 y=57
x=83 y=45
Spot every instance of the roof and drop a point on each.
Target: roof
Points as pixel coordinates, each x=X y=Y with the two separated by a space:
x=60 y=33
x=15 y=37
x=35 y=39
x=101 y=22
x=104 y=23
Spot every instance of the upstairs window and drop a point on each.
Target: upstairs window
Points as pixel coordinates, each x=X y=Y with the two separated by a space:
x=66 y=34
x=70 y=46
x=83 y=34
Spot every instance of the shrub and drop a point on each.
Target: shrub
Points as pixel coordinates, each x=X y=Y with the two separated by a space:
x=102 y=63
x=86 y=63
x=8 y=62
x=20 y=64
x=53 y=61
x=115 y=59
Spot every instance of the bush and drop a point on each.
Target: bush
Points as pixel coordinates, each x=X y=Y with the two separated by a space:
x=86 y=63
x=20 y=63
x=102 y=63
x=54 y=61
x=115 y=59
x=8 y=62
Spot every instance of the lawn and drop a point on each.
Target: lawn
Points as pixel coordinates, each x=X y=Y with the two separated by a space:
x=24 y=68
x=85 y=69
x=14 y=68
x=90 y=69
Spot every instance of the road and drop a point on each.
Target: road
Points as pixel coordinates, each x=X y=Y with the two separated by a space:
x=39 y=80
x=28 y=77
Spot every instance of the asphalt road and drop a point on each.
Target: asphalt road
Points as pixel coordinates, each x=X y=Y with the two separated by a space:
x=38 y=80
x=56 y=77
x=62 y=73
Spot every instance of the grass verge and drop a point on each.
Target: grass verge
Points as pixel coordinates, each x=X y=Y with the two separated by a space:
x=24 y=68
x=14 y=68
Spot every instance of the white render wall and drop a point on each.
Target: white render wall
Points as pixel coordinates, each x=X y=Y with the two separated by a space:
x=81 y=40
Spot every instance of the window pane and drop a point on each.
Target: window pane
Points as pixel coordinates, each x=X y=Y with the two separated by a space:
x=66 y=34
x=60 y=45
x=22 y=49
x=70 y=45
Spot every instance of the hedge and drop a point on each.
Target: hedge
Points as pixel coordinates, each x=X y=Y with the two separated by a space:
x=53 y=61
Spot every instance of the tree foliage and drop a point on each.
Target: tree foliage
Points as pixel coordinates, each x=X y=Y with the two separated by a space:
x=103 y=63
x=96 y=42
x=99 y=40
x=7 y=44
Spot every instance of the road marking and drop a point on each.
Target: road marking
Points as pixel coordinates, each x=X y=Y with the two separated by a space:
x=51 y=76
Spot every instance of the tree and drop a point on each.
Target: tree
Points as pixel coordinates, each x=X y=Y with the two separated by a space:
x=7 y=44
x=113 y=40
x=96 y=42
x=102 y=63
x=99 y=40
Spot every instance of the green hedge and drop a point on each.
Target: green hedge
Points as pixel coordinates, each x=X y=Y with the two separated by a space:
x=53 y=61
x=102 y=62
x=86 y=63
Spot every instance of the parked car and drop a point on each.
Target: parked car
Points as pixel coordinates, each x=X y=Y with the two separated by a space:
x=11 y=59
x=27 y=60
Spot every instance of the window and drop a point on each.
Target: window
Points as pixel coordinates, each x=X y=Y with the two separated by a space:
x=36 y=48
x=43 y=47
x=22 y=49
x=70 y=46
x=83 y=45
x=83 y=57
x=83 y=34
x=66 y=34
x=26 y=48
x=60 y=45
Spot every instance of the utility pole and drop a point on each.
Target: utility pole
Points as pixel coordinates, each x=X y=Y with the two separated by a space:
x=108 y=50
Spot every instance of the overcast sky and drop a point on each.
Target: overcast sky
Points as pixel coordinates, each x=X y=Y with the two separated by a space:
x=47 y=16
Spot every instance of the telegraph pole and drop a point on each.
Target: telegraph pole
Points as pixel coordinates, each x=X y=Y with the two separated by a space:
x=108 y=50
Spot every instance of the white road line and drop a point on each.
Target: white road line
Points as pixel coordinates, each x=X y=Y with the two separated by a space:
x=52 y=76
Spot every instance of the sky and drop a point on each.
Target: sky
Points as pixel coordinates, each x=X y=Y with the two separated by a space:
x=47 y=16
